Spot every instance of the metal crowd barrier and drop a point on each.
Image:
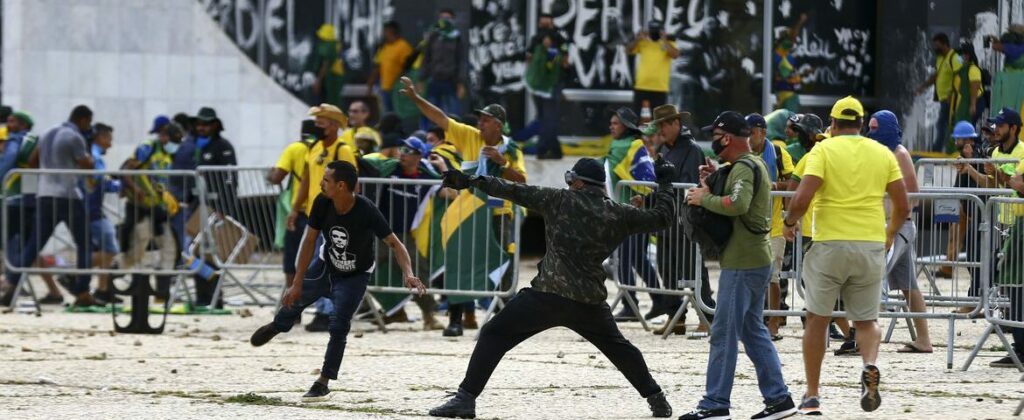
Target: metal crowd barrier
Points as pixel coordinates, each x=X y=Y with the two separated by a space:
x=942 y=173
x=110 y=224
x=936 y=213
x=461 y=245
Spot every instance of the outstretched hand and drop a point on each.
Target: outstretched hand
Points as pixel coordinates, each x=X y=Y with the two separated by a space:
x=408 y=88
x=455 y=180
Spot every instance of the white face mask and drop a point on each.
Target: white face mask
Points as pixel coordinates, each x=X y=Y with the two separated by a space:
x=171 y=147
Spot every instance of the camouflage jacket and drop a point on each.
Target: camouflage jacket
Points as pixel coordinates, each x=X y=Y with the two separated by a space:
x=582 y=228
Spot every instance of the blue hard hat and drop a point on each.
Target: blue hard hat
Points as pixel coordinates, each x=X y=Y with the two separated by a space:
x=964 y=130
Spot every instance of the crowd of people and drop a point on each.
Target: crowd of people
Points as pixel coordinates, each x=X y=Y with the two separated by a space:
x=850 y=178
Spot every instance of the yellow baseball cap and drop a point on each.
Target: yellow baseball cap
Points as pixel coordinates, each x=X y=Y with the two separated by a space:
x=848 y=108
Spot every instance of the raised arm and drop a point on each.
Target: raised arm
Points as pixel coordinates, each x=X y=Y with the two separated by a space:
x=659 y=217
x=535 y=198
x=429 y=110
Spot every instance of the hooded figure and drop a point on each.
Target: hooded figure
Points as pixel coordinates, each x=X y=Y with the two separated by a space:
x=888 y=132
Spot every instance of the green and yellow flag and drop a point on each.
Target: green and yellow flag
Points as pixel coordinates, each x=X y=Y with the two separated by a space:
x=473 y=256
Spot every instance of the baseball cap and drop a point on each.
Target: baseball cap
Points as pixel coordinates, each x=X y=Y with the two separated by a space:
x=756 y=120
x=493 y=110
x=159 y=122
x=417 y=145
x=848 y=108
x=1006 y=116
x=731 y=122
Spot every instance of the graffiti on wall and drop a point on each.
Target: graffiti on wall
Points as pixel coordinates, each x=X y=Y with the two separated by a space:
x=497 y=43
x=280 y=35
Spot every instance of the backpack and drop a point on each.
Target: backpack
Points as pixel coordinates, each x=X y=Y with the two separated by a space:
x=710 y=230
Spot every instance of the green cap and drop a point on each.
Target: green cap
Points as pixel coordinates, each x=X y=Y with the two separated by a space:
x=24 y=117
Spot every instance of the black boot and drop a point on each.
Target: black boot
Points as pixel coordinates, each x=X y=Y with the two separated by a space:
x=626 y=314
x=462 y=406
x=659 y=405
x=454 y=328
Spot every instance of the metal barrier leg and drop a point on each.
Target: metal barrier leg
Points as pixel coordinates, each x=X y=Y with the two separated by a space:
x=1009 y=347
x=949 y=343
x=675 y=317
x=978 y=346
x=1020 y=407
x=616 y=301
x=31 y=292
x=376 y=310
x=700 y=314
x=889 y=330
x=636 y=309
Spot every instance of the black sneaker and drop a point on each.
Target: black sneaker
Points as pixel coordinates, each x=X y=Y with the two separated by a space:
x=626 y=314
x=656 y=311
x=870 y=399
x=317 y=392
x=834 y=333
x=263 y=335
x=320 y=323
x=1005 y=362
x=779 y=410
x=453 y=330
x=849 y=348
x=52 y=300
x=701 y=414
x=461 y=406
x=810 y=406
x=659 y=405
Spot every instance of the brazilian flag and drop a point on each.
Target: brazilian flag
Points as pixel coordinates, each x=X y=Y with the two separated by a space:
x=473 y=257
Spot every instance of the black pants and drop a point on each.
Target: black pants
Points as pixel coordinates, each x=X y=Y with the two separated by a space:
x=653 y=98
x=531 y=312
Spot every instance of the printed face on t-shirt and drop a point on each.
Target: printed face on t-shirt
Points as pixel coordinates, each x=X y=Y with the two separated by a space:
x=343 y=260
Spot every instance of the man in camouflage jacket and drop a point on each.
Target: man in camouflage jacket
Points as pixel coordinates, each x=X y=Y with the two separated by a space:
x=583 y=227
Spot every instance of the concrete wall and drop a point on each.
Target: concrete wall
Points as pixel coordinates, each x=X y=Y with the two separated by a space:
x=130 y=60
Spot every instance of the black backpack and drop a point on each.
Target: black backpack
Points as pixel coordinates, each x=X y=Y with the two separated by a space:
x=711 y=230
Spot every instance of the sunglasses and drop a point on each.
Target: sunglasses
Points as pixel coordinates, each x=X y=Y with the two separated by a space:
x=406 y=150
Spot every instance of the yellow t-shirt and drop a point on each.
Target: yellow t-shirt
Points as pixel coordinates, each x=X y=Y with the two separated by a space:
x=293 y=161
x=808 y=220
x=1009 y=212
x=945 y=68
x=317 y=161
x=349 y=136
x=468 y=142
x=652 y=67
x=855 y=172
x=787 y=169
x=391 y=59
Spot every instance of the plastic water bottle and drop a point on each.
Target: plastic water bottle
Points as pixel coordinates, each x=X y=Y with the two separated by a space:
x=197 y=264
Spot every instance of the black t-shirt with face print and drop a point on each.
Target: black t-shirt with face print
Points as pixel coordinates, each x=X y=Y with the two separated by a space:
x=348 y=238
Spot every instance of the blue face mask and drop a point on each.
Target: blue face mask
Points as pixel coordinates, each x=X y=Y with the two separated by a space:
x=202 y=141
x=171 y=147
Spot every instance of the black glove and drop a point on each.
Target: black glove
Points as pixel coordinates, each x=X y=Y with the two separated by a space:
x=455 y=180
x=664 y=172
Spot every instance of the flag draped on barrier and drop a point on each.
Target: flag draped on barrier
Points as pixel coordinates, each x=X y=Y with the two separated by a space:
x=473 y=257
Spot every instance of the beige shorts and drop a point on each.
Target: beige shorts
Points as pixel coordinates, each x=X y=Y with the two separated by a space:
x=778 y=252
x=852 y=270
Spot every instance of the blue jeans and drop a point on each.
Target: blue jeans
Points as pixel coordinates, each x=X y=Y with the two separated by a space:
x=52 y=212
x=942 y=127
x=345 y=292
x=389 y=104
x=739 y=317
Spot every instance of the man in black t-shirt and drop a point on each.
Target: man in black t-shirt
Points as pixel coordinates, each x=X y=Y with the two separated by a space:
x=349 y=224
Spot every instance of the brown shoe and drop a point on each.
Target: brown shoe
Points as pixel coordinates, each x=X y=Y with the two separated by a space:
x=703 y=328
x=944 y=272
x=469 y=320
x=430 y=323
x=85 y=300
x=399 y=316
x=678 y=329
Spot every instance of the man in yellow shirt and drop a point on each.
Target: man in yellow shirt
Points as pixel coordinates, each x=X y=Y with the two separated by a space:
x=329 y=119
x=292 y=164
x=947 y=64
x=848 y=175
x=486 y=150
x=389 y=63
x=655 y=50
